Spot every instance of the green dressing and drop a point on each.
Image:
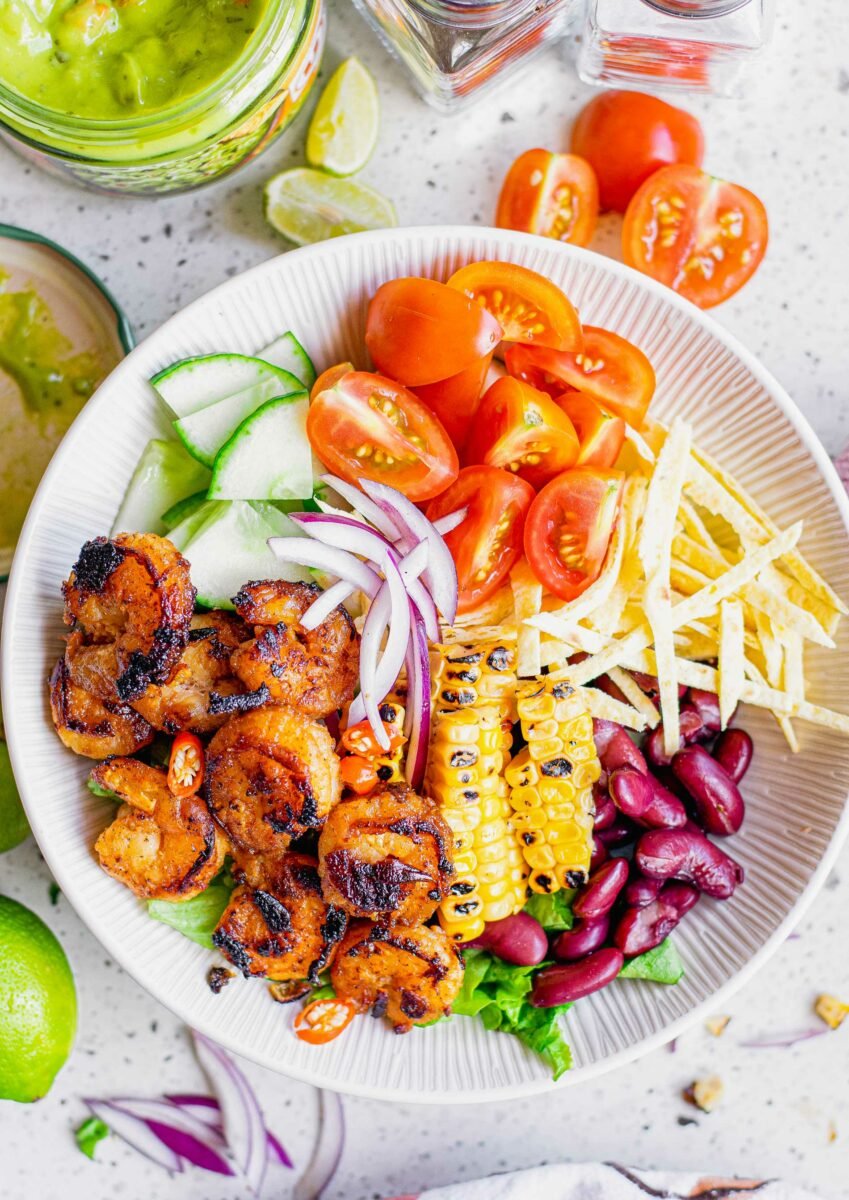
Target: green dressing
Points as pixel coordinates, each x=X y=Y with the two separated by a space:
x=112 y=61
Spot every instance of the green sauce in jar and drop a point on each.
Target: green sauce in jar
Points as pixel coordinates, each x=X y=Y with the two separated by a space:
x=113 y=60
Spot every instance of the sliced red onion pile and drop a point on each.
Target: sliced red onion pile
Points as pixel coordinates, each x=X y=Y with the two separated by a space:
x=390 y=551
x=224 y=1133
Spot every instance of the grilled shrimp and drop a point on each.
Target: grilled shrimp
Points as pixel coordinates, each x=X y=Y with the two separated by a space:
x=202 y=672
x=90 y=726
x=277 y=924
x=409 y=974
x=386 y=856
x=315 y=670
x=271 y=775
x=133 y=591
x=161 y=847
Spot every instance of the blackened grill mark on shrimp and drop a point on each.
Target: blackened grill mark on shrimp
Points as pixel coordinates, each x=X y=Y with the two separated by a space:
x=98 y=559
x=372 y=886
x=241 y=702
x=234 y=951
x=274 y=912
x=332 y=931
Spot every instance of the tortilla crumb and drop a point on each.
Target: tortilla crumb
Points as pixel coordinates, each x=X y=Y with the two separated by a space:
x=717 y=1025
x=705 y=1093
x=831 y=1010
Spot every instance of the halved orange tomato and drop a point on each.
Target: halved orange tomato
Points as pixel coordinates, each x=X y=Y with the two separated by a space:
x=456 y=400
x=367 y=425
x=600 y=432
x=554 y=195
x=527 y=306
x=419 y=331
x=327 y=379
x=610 y=369
x=522 y=431
x=568 y=529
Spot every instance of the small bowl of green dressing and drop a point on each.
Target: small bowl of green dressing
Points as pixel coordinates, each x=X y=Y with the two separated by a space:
x=61 y=333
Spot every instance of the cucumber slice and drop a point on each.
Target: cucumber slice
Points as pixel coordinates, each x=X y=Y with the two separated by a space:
x=165 y=474
x=268 y=457
x=183 y=533
x=229 y=548
x=288 y=353
x=182 y=509
x=195 y=383
x=204 y=432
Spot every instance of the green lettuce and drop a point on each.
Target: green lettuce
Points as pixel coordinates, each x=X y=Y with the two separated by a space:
x=89 y=1134
x=553 y=912
x=97 y=789
x=499 y=993
x=196 y=918
x=661 y=965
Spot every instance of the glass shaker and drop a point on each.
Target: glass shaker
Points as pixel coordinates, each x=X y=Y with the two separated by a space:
x=457 y=48
x=700 y=45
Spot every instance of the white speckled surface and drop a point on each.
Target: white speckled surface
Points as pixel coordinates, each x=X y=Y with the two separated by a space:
x=788 y=141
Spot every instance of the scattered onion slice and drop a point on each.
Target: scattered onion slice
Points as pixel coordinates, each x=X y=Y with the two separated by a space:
x=208 y=1110
x=136 y=1133
x=241 y=1116
x=783 y=1041
x=192 y=1139
x=362 y=504
x=328 y=1150
x=391 y=607
x=418 y=701
x=450 y=521
x=441 y=574
x=307 y=553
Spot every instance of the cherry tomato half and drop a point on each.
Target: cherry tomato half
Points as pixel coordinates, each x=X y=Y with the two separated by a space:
x=528 y=307
x=600 y=432
x=554 y=195
x=455 y=400
x=358 y=774
x=331 y=376
x=487 y=544
x=627 y=136
x=366 y=425
x=702 y=236
x=610 y=369
x=523 y=431
x=323 y=1020
x=186 y=765
x=419 y=331
x=568 y=529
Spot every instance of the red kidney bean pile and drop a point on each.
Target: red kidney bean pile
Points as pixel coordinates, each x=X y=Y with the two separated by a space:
x=653 y=858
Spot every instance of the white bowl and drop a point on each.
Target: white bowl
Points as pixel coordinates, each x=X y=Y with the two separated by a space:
x=797 y=817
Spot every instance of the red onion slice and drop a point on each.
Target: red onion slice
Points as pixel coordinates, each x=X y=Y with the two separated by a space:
x=371 y=511
x=441 y=574
x=241 y=1115
x=391 y=608
x=208 y=1110
x=450 y=521
x=304 y=552
x=783 y=1041
x=344 y=533
x=136 y=1133
x=329 y=599
x=418 y=703
x=328 y=1150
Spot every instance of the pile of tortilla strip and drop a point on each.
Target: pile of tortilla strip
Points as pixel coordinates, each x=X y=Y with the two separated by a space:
x=699 y=588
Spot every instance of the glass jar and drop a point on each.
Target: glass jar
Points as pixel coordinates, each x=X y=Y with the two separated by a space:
x=182 y=147
x=456 y=48
x=700 y=45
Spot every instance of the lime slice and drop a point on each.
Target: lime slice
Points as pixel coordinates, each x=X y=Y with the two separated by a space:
x=344 y=127
x=38 y=1002
x=308 y=206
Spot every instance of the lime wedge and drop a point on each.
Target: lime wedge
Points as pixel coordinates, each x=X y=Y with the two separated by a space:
x=308 y=206
x=343 y=130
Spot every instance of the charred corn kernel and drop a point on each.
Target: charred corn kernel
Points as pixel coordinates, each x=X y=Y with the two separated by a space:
x=464 y=777
x=550 y=784
x=475 y=675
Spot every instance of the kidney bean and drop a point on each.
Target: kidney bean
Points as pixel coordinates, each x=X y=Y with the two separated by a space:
x=621 y=833
x=605 y=809
x=600 y=855
x=615 y=748
x=519 y=939
x=733 y=751
x=682 y=896
x=641 y=929
x=691 y=728
x=719 y=805
x=571 y=981
x=706 y=705
x=687 y=855
x=583 y=939
x=598 y=895
x=641 y=891
x=646 y=801
x=650 y=685
x=606 y=685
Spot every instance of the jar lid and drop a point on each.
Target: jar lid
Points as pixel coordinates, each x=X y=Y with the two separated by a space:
x=61 y=333
x=696 y=9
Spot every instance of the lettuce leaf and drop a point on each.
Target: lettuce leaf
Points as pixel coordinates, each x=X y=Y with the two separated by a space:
x=553 y=912
x=196 y=918
x=499 y=993
x=89 y=1134
x=661 y=965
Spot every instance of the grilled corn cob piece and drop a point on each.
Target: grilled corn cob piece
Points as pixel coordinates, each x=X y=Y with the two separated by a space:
x=464 y=777
x=470 y=675
x=550 y=783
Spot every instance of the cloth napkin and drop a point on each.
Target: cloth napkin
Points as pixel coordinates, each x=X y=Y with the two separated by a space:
x=609 y=1181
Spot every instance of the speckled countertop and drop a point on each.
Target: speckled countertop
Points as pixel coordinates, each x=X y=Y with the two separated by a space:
x=786 y=1112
